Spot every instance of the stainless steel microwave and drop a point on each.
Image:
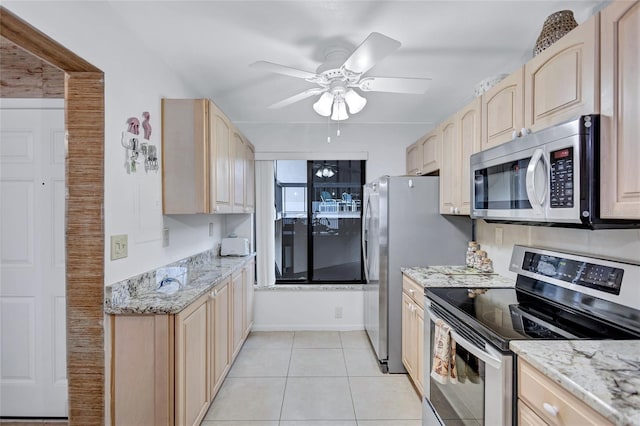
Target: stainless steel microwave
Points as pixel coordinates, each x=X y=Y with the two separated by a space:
x=551 y=177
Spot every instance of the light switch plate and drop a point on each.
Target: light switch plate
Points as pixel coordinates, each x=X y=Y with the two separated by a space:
x=119 y=246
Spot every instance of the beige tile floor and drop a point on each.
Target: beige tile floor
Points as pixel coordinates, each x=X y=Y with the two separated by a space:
x=312 y=378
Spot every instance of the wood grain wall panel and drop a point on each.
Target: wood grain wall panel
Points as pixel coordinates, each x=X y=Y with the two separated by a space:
x=22 y=75
x=84 y=121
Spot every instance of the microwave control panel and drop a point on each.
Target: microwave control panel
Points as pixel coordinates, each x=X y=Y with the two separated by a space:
x=561 y=188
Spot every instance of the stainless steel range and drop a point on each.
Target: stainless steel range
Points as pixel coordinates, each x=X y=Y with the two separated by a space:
x=557 y=296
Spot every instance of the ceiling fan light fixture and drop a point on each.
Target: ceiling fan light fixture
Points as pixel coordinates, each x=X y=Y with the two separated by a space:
x=354 y=101
x=339 y=110
x=323 y=105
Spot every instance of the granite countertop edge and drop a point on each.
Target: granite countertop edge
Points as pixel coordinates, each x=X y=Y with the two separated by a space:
x=455 y=276
x=545 y=356
x=150 y=302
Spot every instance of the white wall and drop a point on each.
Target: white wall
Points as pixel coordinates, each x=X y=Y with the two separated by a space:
x=277 y=310
x=385 y=144
x=621 y=244
x=135 y=81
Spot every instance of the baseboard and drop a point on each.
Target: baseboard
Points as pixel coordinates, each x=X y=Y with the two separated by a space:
x=289 y=327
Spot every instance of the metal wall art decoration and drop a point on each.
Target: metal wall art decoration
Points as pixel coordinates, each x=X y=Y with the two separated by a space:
x=139 y=152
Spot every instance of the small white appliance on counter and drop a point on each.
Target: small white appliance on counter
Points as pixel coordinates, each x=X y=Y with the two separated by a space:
x=234 y=247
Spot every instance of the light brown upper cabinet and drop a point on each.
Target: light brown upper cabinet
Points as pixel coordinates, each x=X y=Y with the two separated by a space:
x=196 y=157
x=238 y=149
x=460 y=139
x=502 y=110
x=562 y=81
x=557 y=85
x=423 y=156
x=620 y=111
x=414 y=158
x=249 y=178
x=243 y=174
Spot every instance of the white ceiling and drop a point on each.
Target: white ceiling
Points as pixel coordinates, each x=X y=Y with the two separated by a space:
x=455 y=43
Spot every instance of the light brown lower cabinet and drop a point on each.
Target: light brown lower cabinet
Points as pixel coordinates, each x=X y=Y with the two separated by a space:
x=413 y=332
x=166 y=369
x=192 y=362
x=541 y=401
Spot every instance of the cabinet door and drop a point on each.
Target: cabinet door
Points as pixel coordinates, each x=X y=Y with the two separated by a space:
x=142 y=370
x=238 y=172
x=249 y=280
x=419 y=335
x=430 y=148
x=191 y=392
x=407 y=333
x=561 y=82
x=237 y=313
x=503 y=110
x=220 y=338
x=413 y=159
x=249 y=178
x=220 y=161
x=470 y=135
x=185 y=161
x=449 y=172
x=620 y=109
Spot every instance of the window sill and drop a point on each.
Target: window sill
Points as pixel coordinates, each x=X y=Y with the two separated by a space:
x=311 y=287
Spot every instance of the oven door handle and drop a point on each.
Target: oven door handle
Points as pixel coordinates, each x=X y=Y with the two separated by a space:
x=481 y=354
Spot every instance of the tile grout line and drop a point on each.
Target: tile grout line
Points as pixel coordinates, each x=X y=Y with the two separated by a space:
x=286 y=379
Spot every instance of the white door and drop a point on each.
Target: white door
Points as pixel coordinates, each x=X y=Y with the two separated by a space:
x=33 y=377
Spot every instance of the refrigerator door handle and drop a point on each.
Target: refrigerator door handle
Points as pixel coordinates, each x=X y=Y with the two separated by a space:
x=364 y=240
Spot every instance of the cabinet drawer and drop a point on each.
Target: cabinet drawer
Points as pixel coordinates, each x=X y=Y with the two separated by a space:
x=414 y=290
x=537 y=390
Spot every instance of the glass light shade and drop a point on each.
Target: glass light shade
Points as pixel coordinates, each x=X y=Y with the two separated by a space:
x=323 y=105
x=339 y=111
x=355 y=101
x=319 y=173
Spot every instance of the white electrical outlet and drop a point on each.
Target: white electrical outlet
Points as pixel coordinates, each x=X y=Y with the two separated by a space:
x=210 y=229
x=338 y=312
x=119 y=246
x=165 y=237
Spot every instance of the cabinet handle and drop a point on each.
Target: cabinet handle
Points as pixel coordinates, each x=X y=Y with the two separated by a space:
x=411 y=291
x=551 y=409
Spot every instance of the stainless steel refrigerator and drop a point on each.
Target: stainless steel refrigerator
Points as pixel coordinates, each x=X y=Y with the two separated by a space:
x=402 y=226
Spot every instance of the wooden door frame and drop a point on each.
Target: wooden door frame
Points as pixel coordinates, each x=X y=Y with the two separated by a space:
x=84 y=229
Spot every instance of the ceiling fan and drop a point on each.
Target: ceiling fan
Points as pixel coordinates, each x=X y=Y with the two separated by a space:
x=337 y=78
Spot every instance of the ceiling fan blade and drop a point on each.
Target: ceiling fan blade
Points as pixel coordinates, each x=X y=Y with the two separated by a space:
x=281 y=69
x=375 y=48
x=395 y=84
x=298 y=97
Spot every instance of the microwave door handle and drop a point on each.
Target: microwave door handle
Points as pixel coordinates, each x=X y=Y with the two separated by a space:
x=481 y=354
x=530 y=180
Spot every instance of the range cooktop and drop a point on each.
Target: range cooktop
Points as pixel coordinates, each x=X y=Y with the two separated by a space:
x=557 y=296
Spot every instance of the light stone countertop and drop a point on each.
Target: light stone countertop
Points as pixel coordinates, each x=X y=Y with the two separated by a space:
x=198 y=274
x=605 y=374
x=455 y=276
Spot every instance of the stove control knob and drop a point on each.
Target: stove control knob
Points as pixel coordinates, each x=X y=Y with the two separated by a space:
x=551 y=409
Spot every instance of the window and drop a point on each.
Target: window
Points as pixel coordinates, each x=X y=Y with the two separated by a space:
x=318 y=221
